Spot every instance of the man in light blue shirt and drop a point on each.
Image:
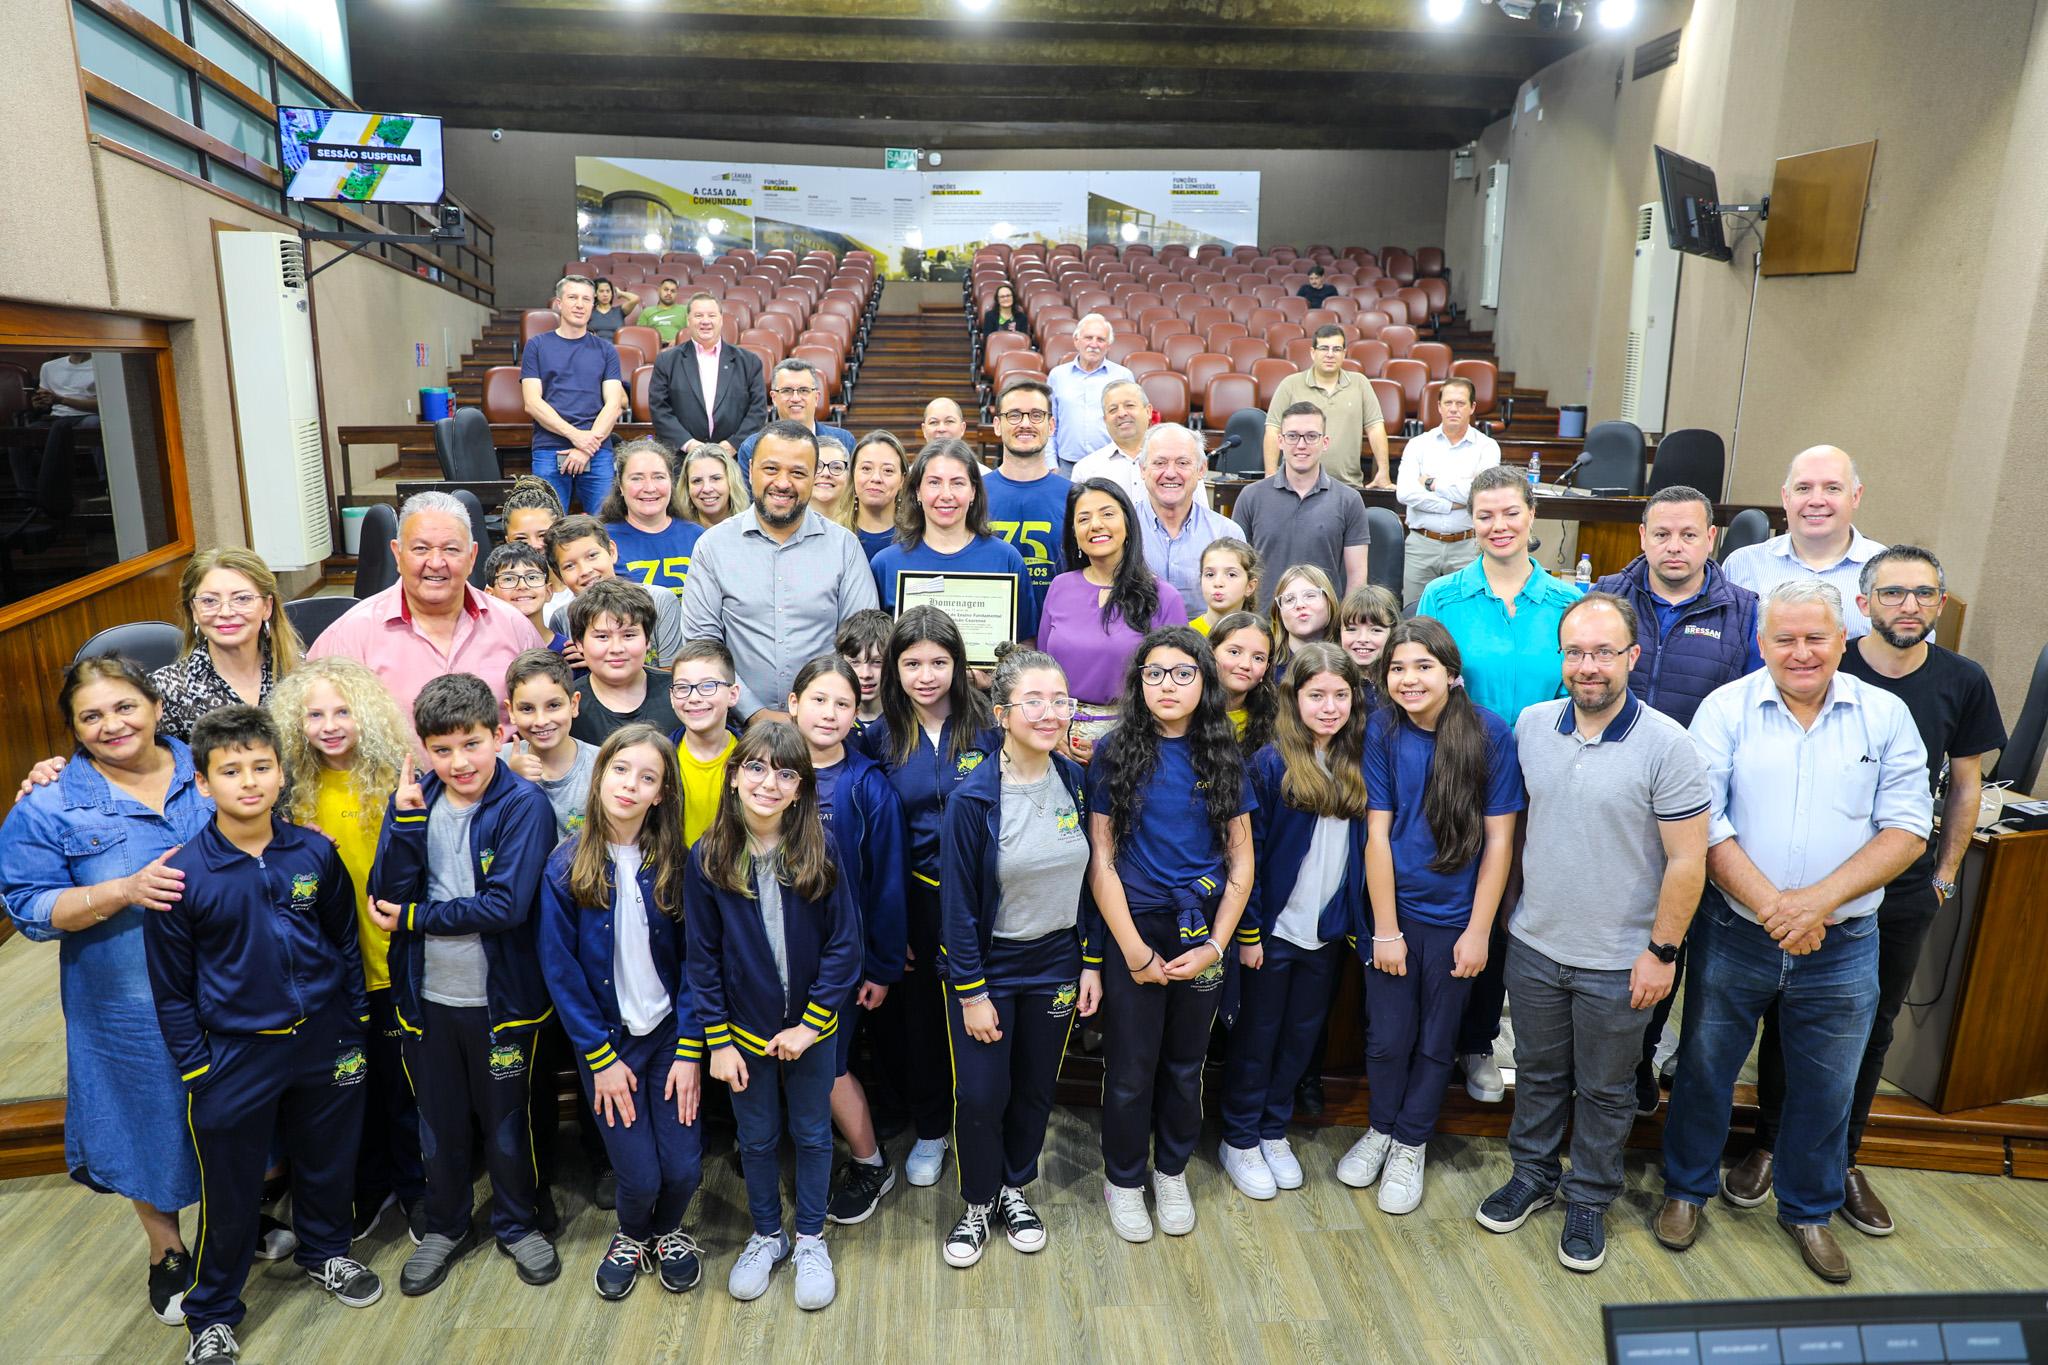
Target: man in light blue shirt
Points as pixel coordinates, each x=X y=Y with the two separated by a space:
x=1821 y=493
x=1818 y=788
x=1175 y=524
x=1077 y=426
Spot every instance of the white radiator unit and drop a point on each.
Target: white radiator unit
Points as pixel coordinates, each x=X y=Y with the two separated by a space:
x=1652 y=310
x=277 y=404
x=1496 y=231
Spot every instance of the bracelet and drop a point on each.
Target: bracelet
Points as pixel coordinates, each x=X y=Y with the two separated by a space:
x=1142 y=965
x=1217 y=946
x=97 y=917
x=981 y=999
x=1388 y=938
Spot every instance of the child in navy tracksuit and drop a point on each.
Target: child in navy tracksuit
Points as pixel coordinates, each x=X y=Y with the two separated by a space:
x=774 y=951
x=612 y=952
x=1015 y=851
x=1172 y=866
x=259 y=991
x=1308 y=837
x=456 y=880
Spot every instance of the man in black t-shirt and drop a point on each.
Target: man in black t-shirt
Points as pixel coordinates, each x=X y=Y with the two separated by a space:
x=1950 y=698
x=1316 y=291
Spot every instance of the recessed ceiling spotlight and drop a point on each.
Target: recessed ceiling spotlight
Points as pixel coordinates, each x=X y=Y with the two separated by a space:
x=1446 y=11
x=1617 y=13
x=651 y=242
x=976 y=6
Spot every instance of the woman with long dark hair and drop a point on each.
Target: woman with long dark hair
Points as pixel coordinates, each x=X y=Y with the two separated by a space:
x=1003 y=314
x=1243 y=644
x=1171 y=869
x=942 y=527
x=1095 y=615
x=612 y=308
x=1445 y=788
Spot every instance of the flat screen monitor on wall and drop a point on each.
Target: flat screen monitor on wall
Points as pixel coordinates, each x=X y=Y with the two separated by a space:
x=1692 y=219
x=360 y=157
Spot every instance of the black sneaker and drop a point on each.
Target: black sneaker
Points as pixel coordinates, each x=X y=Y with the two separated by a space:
x=169 y=1278
x=367 y=1217
x=1021 y=1223
x=430 y=1262
x=534 y=1257
x=1582 y=1245
x=1510 y=1206
x=1648 y=1094
x=858 y=1190
x=353 y=1284
x=606 y=1195
x=680 y=1261
x=1308 y=1097
x=274 y=1239
x=415 y=1218
x=969 y=1237
x=623 y=1265
x=214 y=1346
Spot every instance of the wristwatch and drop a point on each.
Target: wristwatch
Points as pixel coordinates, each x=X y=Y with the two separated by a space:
x=1947 y=890
x=1665 y=952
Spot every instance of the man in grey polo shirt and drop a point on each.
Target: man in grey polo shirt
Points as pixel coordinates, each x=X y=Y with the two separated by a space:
x=1615 y=857
x=1299 y=514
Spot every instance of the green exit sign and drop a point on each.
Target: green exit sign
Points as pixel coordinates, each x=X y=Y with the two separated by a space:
x=899 y=158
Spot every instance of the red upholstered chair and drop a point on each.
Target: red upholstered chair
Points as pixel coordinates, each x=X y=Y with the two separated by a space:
x=1345 y=310
x=834 y=325
x=631 y=357
x=783 y=325
x=643 y=379
x=1318 y=317
x=831 y=341
x=1158 y=332
x=1126 y=342
x=1268 y=374
x=999 y=344
x=1175 y=291
x=747 y=294
x=1400 y=266
x=1371 y=321
x=1060 y=349
x=1391 y=409
x=1396 y=309
x=1426 y=413
x=1142 y=363
x=1418 y=307
x=646 y=338
x=1294 y=307
x=1241 y=305
x=769 y=359
x=1143 y=318
x=1262 y=318
x=1189 y=305
x=1437 y=293
x=1018 y=362
x=1200 y=370
x=1246 y=352
x=1168 y=394
x=1436 y=356
x=1223 y=333
x=1371 y=355
x=1227 y=395
x=1400 y=339
x=1180 y=348
x=1205 y=318
x=1138 y=301
x=503 y=399
x=1269 y=295
x=826 y=361
x=1298 y=351
x=1487 y=400
x=1280 y=334
x=1384 y=285
x=1411 y=376
x=534 y=321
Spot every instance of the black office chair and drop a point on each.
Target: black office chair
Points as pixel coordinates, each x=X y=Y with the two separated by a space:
x=2020 y=763
x=462 y=442
x=1247 y=459
x=1386 y=549
x=1614 y=459
x=312 y=615
x=1750 y=527
x=376 y=567
x=152 y=644
x=480 y=529
x=1692 y=456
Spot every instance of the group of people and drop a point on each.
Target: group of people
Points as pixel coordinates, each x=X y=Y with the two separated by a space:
x=690 y=791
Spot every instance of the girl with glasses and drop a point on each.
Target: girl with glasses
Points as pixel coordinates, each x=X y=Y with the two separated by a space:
x=646 y=514
x=1168 y=810
x=1304 y=611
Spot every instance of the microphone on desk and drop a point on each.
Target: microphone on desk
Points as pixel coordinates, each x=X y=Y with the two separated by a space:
x=1572 y=470
x=1230 y=443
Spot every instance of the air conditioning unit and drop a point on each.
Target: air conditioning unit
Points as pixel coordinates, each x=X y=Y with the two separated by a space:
x=277 y=403
x=1494 y=234
x=1652 y=310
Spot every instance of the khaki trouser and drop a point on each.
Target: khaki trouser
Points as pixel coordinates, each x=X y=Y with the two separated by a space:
x=1424 y=560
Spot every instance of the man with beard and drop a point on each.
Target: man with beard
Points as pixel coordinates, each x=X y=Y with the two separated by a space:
x=1027 y=503
x=774 y=581
x=1950 y=698
x=1127 y=412
x=1614 y=786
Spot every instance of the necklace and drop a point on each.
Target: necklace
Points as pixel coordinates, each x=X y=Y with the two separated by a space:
x=1024 y=789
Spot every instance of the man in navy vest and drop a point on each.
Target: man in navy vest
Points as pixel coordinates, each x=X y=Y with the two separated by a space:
x=1698 y=631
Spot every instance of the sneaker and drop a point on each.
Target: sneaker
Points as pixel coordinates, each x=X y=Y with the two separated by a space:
x=169 y=1278
x=533 y=1256
x=1648 y=1093
x=1582 y=1245
x=755 y=1263
x=429 y=1263
x=1246 y=1167
x=927 y=1158
x=969 y=1237
x=1280 y=1161
x=1360 y=1166
x=816 y=1286
x=274 y=1239
x=415 y=1219
x=1401 y=1191
x=1483 y=1081
x=1513 y=1204
x=1308 y=1100
x=214 y=1346
x=679 y=1260
x=353 y=1284
x=625 y=1261
x=1176 y=1207
x=858 y=1191
x=1021 y=1223
x=367 y=1219
x=606 y=1195
x=1127 y=1213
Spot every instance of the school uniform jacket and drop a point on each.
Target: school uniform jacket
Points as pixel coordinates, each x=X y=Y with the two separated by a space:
x=576 y=959
x=868 y=835
x=925 y=783
x=509 y=839
x=737 y=992
x=255 y=945
x=970 y=880
x=1281 y=834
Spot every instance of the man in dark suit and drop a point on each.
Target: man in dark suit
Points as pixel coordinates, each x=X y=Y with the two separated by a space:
x=700 y=367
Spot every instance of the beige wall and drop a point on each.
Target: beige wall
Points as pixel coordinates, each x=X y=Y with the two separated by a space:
x=526 y=183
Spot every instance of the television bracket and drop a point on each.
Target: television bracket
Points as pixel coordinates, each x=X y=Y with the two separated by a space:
x=360 y=240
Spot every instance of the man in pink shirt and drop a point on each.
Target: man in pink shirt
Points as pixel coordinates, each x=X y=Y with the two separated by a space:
x=704 y=390
x=432 y=621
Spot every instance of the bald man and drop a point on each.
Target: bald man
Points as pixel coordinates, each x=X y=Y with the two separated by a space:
x=943 y=421
x=1820 y=494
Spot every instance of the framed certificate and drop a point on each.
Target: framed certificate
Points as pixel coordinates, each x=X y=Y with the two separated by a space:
x=983 y=605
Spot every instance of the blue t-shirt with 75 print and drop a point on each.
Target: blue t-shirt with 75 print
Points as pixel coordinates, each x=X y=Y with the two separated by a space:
x=659 y=559
x=1030 y=514
x=983 y=554
x=571 y=375
x=1398 y=756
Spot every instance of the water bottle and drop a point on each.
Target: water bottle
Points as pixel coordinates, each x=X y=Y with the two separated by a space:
x=1584 y=577
x=1535 y=472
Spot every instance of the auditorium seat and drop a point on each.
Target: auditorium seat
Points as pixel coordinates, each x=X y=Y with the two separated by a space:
x=641 y=389
x=825 y=360
x=1200 y=369
x=999 y=344
x=1487 y=400
x=1437 y=294
x=769 y=359
x=1018 y=362
x=1280 y=334
x=1318 y=317
x=1158 y=332
x=1294 y=307
x=1692 y=456
x=782 y=325
x=1429 y=262
x=1344 y=310
x=1389 y=395
x=1222 y=334
x=1399 y=266
x=1205 y=318
x=746 y=294
x=1751 y=526
x=631 y=357
x=1227 y=395
x=1400 y=339
x=533 y=322
x=797 y=313
x=766 y=339
x=1371 y=355
x=1385 y=549
x=1383 y=286
x=1058 y=350
x=1260 y=319
x=1411 y=376
x=502 y=400
x=838 y=325
x=1180 y=348
x=646 y=338
x=1246 y=352
x=1269 y=295
x=1417 y=304
x=1396 y=309
x=1267 y=374
x=1436 y=356
x=1168 y=394
x=1298 y=351
x=813 y=336
x=1614 y=458
x=1371 y=321
x=1142 y=363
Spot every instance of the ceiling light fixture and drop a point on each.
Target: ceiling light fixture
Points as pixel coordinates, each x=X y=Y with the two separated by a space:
x=716 y=227
x=651 y=242
x=976 y=6
x=1616 y=13
x=1446 y=11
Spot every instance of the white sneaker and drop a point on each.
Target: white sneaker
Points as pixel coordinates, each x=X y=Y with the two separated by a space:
x=1127 y=1213
x=1280 y=1161
x=816 y=1286
x=1401 y=1191
x=1176 y=1208
x=927 y=1158
x=1246 y=1167
x=1483 y=1081
x=1360 y=1166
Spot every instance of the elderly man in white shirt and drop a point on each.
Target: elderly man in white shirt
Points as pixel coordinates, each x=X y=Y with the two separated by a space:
x=1821 y=493
x=1127 y=412
x=1435 y=485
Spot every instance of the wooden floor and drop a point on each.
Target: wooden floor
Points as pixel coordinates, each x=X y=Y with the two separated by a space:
x=1316 y=1275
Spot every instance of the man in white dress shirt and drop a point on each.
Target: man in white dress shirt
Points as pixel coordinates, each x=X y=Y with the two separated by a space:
x=1435 y=485
x=1128 y=414
x=1821 y=493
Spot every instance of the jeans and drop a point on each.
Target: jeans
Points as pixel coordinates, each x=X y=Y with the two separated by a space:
x=659 y=1159
x=1575 y=1057
x=1903 y=919
x=1411 y=1029
x=1281 y=1009
x=805 y=1085
x=590 y=487
x=1825 y=1002
x=1154 y=1041
x=388 y=1159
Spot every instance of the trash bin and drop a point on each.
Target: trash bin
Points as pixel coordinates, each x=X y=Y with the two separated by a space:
x=352 y=529
x=436 y=404
x=1571 y=422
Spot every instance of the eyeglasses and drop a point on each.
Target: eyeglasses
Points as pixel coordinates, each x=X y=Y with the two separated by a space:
x=1025 y=419
x=210 y=603
x=520 y=580
x=1300 y=438
x=710 y=688
x=1182 y=674
x=757 y=771
x=1035 y=709
x=1328 y=350
x=832 y=467
x=1894 y=595
x=1301 y=599
x=1602 y=656
x=794 y=393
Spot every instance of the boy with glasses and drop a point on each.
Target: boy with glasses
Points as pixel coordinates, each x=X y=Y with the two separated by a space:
x=704 y=689
x=517 y=574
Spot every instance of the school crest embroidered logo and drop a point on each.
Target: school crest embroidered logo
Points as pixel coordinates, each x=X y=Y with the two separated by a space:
x=1209 y=980
x=485 y=859
x=969 y=761
x=1063 y=1000
x=350 y=1067
x=1067 y=822
x=305 y=889
x=505 y=1061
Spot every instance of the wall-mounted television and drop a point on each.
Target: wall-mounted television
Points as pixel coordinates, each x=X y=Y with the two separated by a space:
x=1692 y=202
x=359 y=157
